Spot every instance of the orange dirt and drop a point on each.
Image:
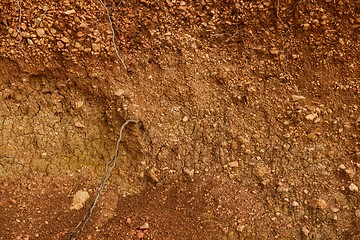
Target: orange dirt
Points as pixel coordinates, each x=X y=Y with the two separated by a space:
x=248 y=119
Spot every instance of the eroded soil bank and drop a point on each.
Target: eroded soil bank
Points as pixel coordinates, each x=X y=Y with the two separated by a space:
x=248 y=119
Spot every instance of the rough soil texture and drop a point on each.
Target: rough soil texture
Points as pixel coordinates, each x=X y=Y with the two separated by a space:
x=248 y=115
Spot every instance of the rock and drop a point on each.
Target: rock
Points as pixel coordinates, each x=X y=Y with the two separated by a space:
x=350 y=172
x=305 y=231
x=295 y=204
x=357 y=213
x=311 y=117
x=152 y=175
x=65 y=40
x=169 y=3
x=79 y=199
x=140 y=235
x=79 y=104
x=60 y=44
x=318 y=203
x=68 y=12
x=185 y=119
x=353 y=188
x=29 y=41
x=40 y=32
x=234 y=164
x=119 y=92
x=96 y=47
x=240 y=228
x=234 y=145
x=79 y=124
x=342 y=167
x=144 y=226
x=53 y=31
x=260 y=171
x=189 y=172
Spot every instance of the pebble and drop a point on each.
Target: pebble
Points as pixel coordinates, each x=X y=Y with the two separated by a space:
x=353 y=188
x=189 y=172
x=119 y=92
x=140 y=235
x=60 y=44
x=68 y=12
x=65 y=39
x=234 y=164
x=144 y=226
x=79 y=199
x=40 y=32
x=318 y=203
x=295 y=204
x=96 y=47
x=350 y=172
x=152 y=175
x=305 y=231
x=357 y=213
x=311 y=117
x=79 y=104
x=79 y=125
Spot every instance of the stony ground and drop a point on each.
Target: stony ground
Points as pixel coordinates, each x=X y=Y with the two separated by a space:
x=248 y=119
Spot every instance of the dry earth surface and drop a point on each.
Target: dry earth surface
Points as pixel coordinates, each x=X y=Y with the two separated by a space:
x=248 y=118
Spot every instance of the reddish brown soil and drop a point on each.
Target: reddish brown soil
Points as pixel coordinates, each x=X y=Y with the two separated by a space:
x=248 y=119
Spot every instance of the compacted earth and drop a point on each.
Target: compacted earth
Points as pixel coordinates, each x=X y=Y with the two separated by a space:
x=247 y=119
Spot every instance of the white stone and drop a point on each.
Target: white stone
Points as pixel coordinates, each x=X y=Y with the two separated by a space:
x=353 y=188
x=79 y=199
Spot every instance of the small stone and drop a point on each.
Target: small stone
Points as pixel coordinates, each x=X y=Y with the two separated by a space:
x=234 y=164
x=119 y=92
x=265 y=182
x=79 y=199
x=232 y=175
x=335 y=209
x=79 y=104
x=68 y=12
x=189 y=172
x=306 y=26
x=297 y=97
x=169 y=3
x=185 y=119
x=234 y=145
x=144 y=226
x=78 y=45
x=260 y=171
x=240 y=228
x=350 y=172
x=96 y=47
x=152 y=175
x=295 y=204
x=60 y=44
x=29 y=41
x=357 y=213
x=79 y=124
x=40 y=32
x=318 y=203
x=65 y=40
x=342 y=167
x=53 y=31
x=311 y=117
x=353 y=188
x=305 y=231
x=140 y=235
